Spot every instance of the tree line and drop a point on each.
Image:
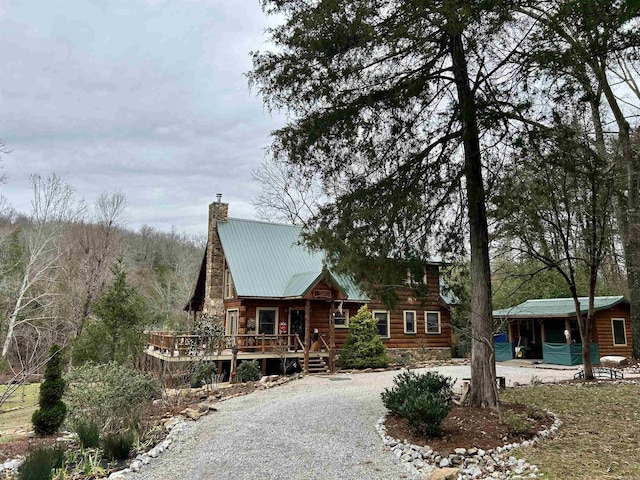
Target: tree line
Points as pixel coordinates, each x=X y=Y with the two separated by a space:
x=72 y=274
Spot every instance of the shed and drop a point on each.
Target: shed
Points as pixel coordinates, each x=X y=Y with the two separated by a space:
x=547 y=328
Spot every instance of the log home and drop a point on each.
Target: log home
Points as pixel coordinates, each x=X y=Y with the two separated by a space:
x=277 y=300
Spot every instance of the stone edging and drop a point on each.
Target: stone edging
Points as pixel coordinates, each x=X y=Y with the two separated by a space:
x=466 y=464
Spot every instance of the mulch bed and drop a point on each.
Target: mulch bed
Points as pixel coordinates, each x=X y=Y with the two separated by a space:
x=467 y=427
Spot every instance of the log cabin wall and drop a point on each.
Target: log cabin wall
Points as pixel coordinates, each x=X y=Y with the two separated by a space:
x=603 y=331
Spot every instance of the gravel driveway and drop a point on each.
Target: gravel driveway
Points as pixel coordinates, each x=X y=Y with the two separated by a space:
x=320 y=427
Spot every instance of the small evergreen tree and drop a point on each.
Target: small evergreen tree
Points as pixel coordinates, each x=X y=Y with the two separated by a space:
x=116 y=334
x=363 y=347
x=49 y=417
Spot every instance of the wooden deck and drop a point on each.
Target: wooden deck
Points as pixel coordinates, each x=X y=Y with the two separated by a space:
x=186 y=347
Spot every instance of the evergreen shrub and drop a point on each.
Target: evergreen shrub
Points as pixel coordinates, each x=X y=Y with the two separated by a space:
x=423 y=399
x=110 y=395
x=49 y=417
x=88 y=433
x=363 y=347
x=248 y=372
x=40 y=463
x=204 y=373
x=118 y=445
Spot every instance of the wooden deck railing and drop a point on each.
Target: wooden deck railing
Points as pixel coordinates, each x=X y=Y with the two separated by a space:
x=187 y=344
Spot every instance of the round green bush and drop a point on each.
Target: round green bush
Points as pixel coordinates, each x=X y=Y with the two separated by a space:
x=248 y=372
x=423 y=399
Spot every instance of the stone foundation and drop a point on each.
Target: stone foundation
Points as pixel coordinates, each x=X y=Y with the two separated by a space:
x=414 y=355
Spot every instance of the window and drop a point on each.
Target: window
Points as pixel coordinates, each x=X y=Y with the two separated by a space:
x=432 y=322
x=341 y=320
x=228 y=284
x=382 y=318
x=409 y=321
x=619 y=331
x=267 y=320
x=232 y=322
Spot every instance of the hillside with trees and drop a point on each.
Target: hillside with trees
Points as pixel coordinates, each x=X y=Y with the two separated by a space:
x=60 y=262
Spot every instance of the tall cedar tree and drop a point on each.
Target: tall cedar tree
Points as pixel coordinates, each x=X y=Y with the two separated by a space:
x=384 y=98
x=578 y=46
x=49 y=417
x=116 y=334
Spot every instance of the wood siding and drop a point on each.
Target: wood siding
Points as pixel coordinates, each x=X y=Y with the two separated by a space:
x=604 y=332
x=320 y=311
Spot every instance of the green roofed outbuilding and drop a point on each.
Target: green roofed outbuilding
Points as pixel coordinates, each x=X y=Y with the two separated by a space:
x=547 y=328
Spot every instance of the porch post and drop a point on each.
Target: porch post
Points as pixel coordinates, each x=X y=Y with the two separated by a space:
x=307 y=334
x=332 y=339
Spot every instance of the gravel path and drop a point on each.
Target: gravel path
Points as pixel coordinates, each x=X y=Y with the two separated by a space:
x=314 y=428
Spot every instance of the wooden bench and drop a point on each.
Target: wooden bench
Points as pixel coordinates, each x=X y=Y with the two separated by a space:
x=501 y=381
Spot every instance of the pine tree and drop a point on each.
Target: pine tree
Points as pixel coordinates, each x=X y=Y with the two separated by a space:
x=49 y=417
x=116 y=334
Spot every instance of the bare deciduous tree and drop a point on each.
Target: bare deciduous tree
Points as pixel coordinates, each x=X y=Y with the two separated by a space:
x=92 y=247
x=288 y=194
x=53 y=207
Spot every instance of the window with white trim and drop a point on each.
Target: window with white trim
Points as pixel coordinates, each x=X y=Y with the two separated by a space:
x=432 y=322
x=229 y=291
x=267 y=320
x=619 y=330
x=409 y=321
x=341 y=320
x=232 y=322
x=382 y=322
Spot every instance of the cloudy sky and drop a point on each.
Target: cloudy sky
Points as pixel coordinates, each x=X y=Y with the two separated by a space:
x=146 y=97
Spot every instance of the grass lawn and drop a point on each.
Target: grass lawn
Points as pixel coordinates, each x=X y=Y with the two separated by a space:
x=20 y=417
x=600 y=436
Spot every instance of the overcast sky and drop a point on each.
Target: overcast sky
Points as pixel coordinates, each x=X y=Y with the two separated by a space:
x=147 y=97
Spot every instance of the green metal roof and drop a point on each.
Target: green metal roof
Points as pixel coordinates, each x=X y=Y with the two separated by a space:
x=556 y=307
x=268 y=260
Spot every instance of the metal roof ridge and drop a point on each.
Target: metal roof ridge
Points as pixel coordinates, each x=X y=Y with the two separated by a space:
x=250 y=220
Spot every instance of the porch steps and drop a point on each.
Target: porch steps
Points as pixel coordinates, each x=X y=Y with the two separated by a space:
x=316 y=364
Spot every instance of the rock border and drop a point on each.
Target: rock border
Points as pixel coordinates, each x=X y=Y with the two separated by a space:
x=466 y=464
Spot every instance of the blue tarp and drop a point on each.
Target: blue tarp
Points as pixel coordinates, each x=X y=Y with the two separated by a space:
x=567 y=353
x=500 y=337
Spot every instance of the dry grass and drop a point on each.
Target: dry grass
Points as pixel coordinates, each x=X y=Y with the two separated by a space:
x=16 y=411
x=600 y=437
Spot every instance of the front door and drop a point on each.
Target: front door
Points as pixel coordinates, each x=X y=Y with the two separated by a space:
x=296 y=323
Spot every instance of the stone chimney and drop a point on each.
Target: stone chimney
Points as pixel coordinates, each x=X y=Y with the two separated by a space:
x=214 y=284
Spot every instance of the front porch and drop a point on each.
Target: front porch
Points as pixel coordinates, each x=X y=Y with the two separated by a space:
x=176 y=347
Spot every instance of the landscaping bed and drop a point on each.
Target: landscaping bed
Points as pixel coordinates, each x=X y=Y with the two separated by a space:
x=468 y=427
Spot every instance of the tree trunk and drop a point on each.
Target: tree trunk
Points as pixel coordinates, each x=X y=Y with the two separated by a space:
x=631 y=243
x=483 y=392
x=629 y=214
